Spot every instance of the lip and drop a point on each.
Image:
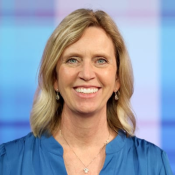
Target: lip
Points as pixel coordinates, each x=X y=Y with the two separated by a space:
x=86 y=86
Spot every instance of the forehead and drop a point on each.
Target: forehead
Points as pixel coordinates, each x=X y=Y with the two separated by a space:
x=94 y=39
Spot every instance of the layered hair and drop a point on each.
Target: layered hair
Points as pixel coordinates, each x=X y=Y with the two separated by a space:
x=46 y=111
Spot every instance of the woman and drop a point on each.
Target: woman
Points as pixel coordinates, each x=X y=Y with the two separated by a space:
x=81 y=119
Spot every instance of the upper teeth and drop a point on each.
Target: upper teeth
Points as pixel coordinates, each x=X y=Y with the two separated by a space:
x=87 y=90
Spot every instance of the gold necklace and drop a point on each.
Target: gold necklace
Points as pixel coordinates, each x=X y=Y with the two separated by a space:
x=86 y=169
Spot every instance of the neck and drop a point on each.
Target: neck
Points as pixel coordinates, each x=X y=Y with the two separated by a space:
x=84 y=130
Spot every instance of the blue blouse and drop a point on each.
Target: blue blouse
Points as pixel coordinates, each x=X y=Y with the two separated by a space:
x=44 y=156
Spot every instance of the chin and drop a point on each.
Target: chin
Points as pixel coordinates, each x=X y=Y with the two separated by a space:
x=88 y=112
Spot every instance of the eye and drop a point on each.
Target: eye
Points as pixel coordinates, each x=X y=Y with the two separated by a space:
x=101 y=61
x=72 y=61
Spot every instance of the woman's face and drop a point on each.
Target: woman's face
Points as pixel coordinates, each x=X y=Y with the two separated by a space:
x=86 y=72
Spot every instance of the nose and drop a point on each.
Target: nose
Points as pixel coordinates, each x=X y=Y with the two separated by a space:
x=87 y=71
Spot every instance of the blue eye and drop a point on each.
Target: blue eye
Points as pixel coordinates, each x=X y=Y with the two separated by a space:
x=101 y=61
x=72 y=60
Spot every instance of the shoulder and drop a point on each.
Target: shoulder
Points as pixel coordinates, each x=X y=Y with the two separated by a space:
x=17 y=144
x=144 y=148
x=149 y=154
x=13 y=151
x=143 y=145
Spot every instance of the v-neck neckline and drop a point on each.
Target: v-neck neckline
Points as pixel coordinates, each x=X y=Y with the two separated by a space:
x=50 y=144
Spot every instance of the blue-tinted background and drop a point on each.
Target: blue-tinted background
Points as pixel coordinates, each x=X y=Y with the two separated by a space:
x=148 y=28
x=168 y=78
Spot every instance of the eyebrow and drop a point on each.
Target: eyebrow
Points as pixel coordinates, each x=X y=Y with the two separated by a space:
x=77 y=54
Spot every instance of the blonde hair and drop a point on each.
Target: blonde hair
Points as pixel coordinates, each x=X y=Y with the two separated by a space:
x=46 y=111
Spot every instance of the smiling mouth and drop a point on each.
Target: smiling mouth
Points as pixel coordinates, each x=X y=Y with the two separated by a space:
x=87 y=90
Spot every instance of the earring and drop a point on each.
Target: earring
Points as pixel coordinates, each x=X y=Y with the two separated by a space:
x=57 y=95
x=117 y=95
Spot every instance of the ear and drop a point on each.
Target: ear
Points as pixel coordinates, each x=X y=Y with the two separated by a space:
x=117 y=85
x=55 y=85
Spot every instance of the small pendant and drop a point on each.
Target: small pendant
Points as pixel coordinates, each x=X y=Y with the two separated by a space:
x=86 y=170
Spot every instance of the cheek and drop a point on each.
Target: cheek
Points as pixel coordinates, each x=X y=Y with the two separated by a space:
x=63 y=71
x=109 y=76
x=65 y=76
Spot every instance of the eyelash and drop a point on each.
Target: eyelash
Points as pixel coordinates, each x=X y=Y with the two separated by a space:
x=104 y=60
x=69 y=60
x=74 y=60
